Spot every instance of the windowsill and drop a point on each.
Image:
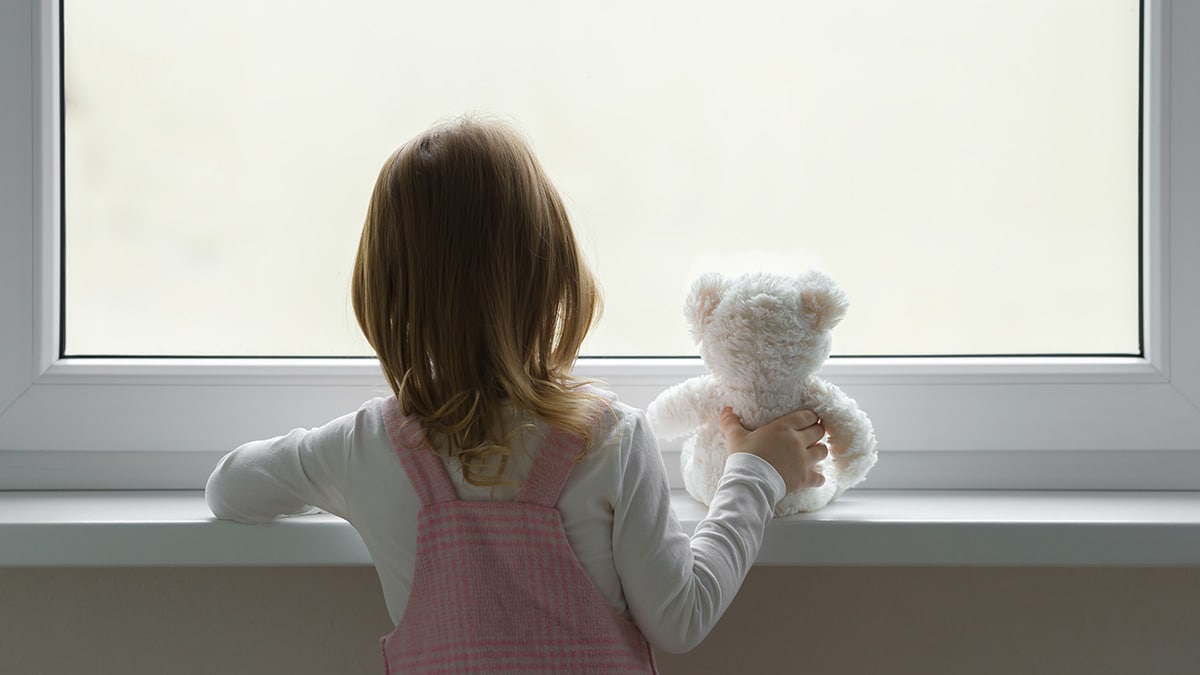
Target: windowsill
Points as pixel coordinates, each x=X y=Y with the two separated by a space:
x=865 y=527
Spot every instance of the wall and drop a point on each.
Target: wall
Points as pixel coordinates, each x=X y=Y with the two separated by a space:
x=821 y=620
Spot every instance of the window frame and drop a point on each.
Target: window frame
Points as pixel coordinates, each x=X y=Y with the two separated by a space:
x=943 y=423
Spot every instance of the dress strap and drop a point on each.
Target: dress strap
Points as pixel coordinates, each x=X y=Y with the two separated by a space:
x=550 y=469
x=424 y=468
x=557 y=456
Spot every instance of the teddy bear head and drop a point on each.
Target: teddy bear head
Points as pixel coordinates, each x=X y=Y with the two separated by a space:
x=760 y=328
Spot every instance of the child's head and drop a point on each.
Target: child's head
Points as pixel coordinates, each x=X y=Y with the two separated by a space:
x=469 y=284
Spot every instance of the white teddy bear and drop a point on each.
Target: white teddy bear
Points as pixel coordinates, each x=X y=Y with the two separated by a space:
x=763 y=336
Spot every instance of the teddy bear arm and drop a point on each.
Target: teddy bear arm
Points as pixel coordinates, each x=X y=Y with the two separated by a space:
x=682 y=408
x=850 y=432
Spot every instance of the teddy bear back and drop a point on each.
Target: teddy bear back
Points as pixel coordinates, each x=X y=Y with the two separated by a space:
x=759 y=405
x=763 y=336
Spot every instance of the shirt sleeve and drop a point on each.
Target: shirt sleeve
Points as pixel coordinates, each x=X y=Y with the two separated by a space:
x=288 y=475
x=677 y=587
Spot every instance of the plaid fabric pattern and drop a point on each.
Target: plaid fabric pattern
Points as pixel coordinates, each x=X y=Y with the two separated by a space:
x=497 y=587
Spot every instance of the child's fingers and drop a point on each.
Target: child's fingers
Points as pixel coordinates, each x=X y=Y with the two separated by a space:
x=731 y=425
x=818 y=451
x=813 y=455
x=812 y=434
x=800 y=419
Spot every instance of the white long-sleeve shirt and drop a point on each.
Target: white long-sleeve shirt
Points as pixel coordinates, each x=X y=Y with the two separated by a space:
x=615 y=509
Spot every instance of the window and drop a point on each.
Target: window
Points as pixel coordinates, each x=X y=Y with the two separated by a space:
x=1024 y=422
x=938 y=155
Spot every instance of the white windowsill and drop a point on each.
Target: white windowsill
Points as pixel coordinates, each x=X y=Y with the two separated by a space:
x=866 y=527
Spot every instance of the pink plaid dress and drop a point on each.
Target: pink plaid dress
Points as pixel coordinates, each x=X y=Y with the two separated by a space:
x=497 y=587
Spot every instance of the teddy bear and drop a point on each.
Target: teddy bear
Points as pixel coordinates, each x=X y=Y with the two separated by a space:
x=763 y=337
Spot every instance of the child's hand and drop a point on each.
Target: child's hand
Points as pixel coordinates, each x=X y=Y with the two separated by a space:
x=792 y=444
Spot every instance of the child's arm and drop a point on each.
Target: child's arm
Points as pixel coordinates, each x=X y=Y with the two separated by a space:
x=677 y=587
x=283 y=476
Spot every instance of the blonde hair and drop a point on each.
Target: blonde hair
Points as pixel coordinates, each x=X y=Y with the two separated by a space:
x=471 y=289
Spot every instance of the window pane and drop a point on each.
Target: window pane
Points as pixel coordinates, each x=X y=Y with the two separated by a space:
x=967 y=170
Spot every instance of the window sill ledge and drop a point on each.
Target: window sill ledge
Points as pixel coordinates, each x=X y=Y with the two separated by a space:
x=865 y=527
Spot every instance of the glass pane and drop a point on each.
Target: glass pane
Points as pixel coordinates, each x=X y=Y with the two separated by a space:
x=967 y=170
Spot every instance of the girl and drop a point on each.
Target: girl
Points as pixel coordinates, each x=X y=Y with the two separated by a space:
x=519 y=520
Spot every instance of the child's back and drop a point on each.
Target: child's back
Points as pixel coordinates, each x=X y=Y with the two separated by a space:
x=481 y=376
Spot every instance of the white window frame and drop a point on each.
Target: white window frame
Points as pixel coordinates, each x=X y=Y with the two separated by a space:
x=945 y=423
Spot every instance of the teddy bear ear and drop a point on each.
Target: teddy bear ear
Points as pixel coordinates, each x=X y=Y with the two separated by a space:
x=824 y=303
x=702 y=301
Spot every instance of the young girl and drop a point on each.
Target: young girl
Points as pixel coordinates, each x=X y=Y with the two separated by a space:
x=519 y=520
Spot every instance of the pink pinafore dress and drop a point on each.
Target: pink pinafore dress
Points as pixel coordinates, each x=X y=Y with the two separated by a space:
x=496 y=587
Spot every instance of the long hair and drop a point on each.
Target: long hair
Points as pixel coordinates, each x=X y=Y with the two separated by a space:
x=471 y=289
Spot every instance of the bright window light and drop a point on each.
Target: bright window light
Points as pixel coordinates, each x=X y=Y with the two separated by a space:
x=968 y=170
